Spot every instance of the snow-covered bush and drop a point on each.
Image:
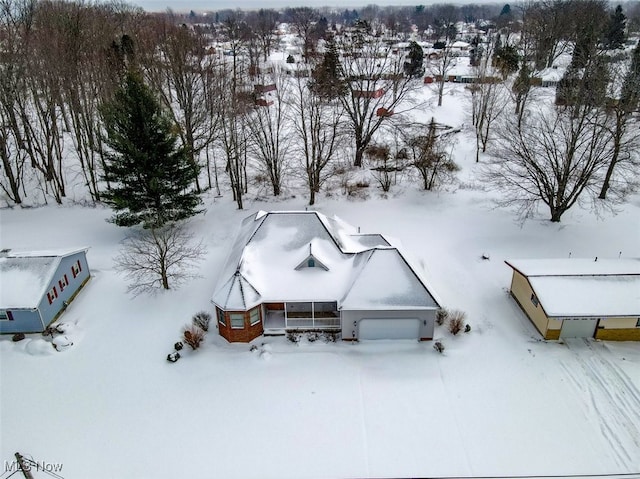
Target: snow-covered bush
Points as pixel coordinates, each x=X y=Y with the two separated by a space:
x=467 y=328
x=173 y=357
x=193 y=336
x=178 y=346
x=456 y=321
x=294 y=336
x=438 y=346
x=441 y=316
x=201 y=320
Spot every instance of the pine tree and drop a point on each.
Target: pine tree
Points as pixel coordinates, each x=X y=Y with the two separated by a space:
x=615 y=35
x=413 y=68
x=150 y=176
x=506 y=59
x=630 y=95
x=328 y=77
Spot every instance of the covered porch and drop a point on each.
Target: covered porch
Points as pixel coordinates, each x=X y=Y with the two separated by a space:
x=279 y=317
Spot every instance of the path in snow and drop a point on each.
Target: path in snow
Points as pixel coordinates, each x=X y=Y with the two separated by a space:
x=612 y=398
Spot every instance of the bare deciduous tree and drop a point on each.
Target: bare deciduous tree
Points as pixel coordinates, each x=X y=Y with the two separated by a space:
x=320 y=129
x=430 y=154
x=489 y=99
x=376 y=87
x=555 y=158
x=159 y=258
x=270 y=127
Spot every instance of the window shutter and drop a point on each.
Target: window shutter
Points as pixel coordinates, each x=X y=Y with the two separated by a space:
x=10 y=315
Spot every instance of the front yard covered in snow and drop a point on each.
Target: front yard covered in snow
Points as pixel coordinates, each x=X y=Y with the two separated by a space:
x=499 y=401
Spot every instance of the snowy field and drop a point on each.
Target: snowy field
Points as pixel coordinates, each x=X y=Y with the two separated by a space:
x=499 y=401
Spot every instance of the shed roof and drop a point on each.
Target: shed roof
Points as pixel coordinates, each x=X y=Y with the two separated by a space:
x=584 y=287
x=24 y=276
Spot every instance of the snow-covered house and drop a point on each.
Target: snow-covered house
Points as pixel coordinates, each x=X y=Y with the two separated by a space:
x=580 y=298
x=36 y=287
x=302 y=270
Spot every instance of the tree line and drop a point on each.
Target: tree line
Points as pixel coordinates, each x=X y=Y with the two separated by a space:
x=347 y=98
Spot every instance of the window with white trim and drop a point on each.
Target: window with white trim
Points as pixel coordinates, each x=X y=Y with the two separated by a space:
x=5 y=315
x=237 y=320
x=52 y=295
x=221 y=319
x=254 y=316
x=63 y=283
x=76 y=268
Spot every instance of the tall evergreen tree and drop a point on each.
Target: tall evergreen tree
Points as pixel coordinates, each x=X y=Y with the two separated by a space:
x=328 y=80
x=414 y=67
x=615 y=34
x=150 y=176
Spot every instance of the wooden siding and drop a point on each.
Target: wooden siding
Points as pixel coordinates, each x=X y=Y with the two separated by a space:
x=630 y=334
x=50 y=312
x=522 y=291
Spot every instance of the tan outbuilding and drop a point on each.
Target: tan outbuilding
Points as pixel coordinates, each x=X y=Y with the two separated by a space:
x=580 y=298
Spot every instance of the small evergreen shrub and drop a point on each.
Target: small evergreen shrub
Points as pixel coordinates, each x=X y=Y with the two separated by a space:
x=173 y=357
x=441 y=316
x=193 y=336
x=178 y=346
x=456 y=321
x=467 y=328
x=201 y=320
x=438 y=346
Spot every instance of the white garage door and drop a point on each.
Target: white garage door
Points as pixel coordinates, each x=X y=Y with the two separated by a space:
x=390 y=328
x=578 y=328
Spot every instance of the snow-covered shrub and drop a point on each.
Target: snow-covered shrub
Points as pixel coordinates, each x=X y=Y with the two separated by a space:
x=438 y=346
x=330 y=336
x=456 y=321
x=193 y=336
x=173 y=357
x=253 y=348
x=201 y=320
x=313 y=336
x=18 y=337
x=441 y=316
x=178 y=346
x=294 y=336
x=467 y=328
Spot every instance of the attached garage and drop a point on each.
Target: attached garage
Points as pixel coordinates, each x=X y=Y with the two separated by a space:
x=389 y=328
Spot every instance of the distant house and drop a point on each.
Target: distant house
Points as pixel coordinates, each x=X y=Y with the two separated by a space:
x=373 y=93
x=36 y=287
x=301 y=270
x=580 y=298
x=548 y=78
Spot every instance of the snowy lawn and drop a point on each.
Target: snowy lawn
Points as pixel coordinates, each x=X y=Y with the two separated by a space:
x=498 y=401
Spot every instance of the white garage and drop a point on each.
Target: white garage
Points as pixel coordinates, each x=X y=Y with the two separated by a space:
x=389 y=328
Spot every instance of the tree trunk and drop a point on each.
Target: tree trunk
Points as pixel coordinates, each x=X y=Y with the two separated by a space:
x=556 y=213
x=359 y=155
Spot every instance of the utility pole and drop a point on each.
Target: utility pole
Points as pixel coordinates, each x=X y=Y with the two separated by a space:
x=26 y=470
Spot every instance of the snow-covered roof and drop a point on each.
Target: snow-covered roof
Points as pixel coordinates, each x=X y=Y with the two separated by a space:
x=358 y=270
x=584 y=287
x=550 y=74
x=24 y=276
x=373 y=288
